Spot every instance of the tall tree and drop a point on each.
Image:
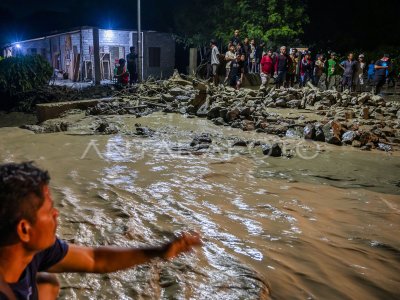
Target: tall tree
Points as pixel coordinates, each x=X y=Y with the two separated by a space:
x=274 y=21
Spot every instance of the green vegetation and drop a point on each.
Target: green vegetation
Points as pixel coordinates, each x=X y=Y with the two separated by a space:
x=273 y=21
x=23 y=74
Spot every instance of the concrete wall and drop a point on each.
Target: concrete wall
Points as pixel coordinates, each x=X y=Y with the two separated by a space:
x=167 y=59
x=108 y=38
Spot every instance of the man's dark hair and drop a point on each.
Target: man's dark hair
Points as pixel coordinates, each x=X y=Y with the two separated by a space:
x=132 y=48
x=19 y=183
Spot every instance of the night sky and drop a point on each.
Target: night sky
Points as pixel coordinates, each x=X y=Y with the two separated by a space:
x=342 y=23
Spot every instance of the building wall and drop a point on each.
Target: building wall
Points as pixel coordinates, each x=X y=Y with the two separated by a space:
x=41 y=46
x=66 y=46
x=167 y=59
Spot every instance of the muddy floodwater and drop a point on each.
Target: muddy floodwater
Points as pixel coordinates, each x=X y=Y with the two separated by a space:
x=323 y=224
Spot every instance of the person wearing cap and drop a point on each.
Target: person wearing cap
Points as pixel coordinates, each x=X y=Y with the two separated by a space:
x=332 y=78
x=214 y=60
x=359 y=73
x=382 y=68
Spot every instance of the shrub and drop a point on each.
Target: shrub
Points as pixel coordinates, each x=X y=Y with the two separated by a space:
x=23 y=73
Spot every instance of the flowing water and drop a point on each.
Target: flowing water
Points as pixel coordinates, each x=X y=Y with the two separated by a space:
x=323 y=224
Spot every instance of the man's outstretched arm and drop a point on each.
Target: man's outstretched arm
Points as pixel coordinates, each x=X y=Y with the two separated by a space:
x=111 y=259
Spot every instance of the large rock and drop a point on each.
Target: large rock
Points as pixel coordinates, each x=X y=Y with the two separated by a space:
x=232 y=114
x=280 y=103
x=295 y=132
x=176 y=91
x=107 y=128
x=332 y=133
x=248 y=125
x=203 y=138
x=384 y=147
x=319 y=133
x=294 y=103
x=271 y=150
x=309 y=132
x=349 y=136
x=213 y=112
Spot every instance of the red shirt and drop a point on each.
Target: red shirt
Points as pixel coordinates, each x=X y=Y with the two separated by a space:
x=267 y=65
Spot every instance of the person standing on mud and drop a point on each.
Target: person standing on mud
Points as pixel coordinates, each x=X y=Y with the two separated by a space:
x=131 y=64
x=348 y=67
x=237 y=71
x=382 y=68
x=214 y=61
x=229 y=57
x=293 y=68
x=359 y=74
x=267 y=68
x=281 y=67
x=305 y=69
x=331 y=78
x=319 y=67
x=29 y=245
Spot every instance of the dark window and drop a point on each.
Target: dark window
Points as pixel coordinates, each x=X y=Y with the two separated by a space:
x=154 y=56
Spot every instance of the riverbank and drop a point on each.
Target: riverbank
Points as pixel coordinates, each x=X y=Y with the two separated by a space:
x=361 y=120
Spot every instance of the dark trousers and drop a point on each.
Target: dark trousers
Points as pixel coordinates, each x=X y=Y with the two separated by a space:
x=133 y=76
x=281 y=78
x=347 y=82
x=379 y=83
x=290 y=78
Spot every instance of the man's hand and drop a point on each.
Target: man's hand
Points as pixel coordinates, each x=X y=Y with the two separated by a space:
x=183 y=243
x=110 y=259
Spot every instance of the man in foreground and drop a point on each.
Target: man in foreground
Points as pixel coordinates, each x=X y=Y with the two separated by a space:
x=29 y=246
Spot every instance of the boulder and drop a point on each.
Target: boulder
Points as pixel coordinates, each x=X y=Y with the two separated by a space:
x=248 y=125
x=203 y=138
x=294 y=103
x=332 y=133
x=349 y=136
x=240 y=143
x=280 y=103
x=213 y=112
x=232 y=114
x=143 y=131
x=294 y=132
x=271 y=150
x=384 y=147
x=177 y=91
x=309 y=132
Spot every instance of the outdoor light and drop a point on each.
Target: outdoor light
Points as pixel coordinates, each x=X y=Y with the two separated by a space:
x=18 y=46
x=108 y=33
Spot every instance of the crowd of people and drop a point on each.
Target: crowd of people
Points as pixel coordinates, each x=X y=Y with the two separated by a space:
x=290 y=67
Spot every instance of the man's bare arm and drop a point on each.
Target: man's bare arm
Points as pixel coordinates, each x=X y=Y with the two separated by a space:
x=111 y=259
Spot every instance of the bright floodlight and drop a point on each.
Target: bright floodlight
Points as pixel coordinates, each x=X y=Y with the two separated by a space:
x=18 y=46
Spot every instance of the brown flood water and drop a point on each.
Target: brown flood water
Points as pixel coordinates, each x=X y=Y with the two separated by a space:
x=321 y=228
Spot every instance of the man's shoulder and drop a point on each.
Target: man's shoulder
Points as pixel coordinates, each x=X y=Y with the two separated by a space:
x=51 y=256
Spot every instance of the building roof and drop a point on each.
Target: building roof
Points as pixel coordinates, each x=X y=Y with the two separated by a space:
x=69 y=31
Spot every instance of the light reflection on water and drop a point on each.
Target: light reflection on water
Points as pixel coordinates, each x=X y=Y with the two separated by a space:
x=306 y=238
